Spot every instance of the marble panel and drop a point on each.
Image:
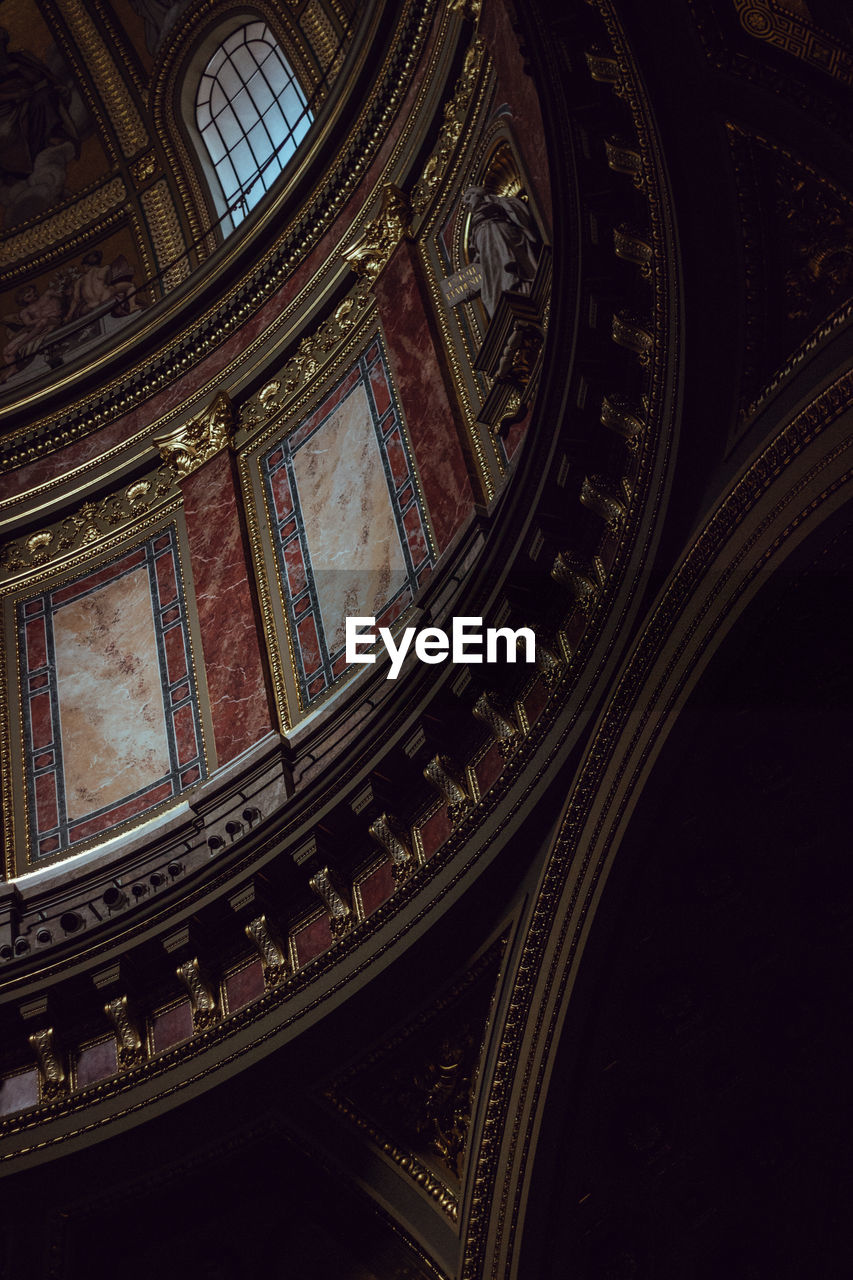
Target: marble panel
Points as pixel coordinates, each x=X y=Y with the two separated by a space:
x=349 y=528
x=110 y=729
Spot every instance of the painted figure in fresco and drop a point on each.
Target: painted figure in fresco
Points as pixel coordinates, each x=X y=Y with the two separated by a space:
x=38 y=316
x=40 y=129
x=98 y=284
x=159 y=16
x=33 y=111
x=505 y=241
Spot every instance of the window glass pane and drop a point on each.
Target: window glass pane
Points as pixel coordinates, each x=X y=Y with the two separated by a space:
x=250 y=120
x=228 y=178
x=228 y=79
x=215 y=62
x=229 y=127
x=245 y=110
x=244 y=62
x=243 y=161
x=290 y=105
x=277 y=74
x=214 y=143
x=217 y=99
x=261 y=94
x=260 y=144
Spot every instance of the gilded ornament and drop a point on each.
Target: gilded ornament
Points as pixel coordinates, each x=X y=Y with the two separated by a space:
x=631 y=246
x=271 y=953
x=455 y=114
x=596 y=495
x=503 y=730
x=386 y=831
x=618 y=416
x=189 y=446
x=202 y=998
x=604 y=68
x=380 y=238
x=633 y=333
x=570 y=573
x=328 y=888
x=51 y=1070
x=441 y=774
x=469 y=9
x=622 y=158
x=129 y=1046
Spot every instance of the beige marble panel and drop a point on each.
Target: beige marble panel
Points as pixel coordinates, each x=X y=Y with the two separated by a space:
x=110 y=697
x=349 y=521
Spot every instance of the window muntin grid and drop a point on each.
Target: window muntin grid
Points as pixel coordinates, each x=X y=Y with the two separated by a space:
x=251 y=114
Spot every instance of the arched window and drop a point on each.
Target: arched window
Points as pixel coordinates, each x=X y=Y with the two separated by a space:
x=251 y=115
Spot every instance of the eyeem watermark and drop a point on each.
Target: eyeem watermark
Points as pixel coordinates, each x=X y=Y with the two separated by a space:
x=468 y=642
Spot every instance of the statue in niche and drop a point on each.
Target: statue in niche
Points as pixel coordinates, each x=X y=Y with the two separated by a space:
x=505 y=242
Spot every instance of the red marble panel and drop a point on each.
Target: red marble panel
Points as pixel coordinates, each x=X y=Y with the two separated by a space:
x=231 y=643
x=397 y=458
x=427 y=408
x=376 y=888
x=182 y=691
x=316 y=686
x=36 y=644
x=176 y=658
x=46 y=810
x=33 y=607
x=121 y=813
x=167 y=588
x=40 y=720
x=489 y=768
x=185 y=734
x=435 y=831
x=96 y=1062
x=534 y=703
x=189 y=776
x=244 y=986
x=19 y=1092
x=295 y=567
x=395 y=609
x=131 y=561
x=313 y=940
x=41 y=762
x=515 y=435
x=381 y=390
x=282 y=497
x=171 y=615
x=38 y=682
x=309 y=644
x=415 y=535
x=172 y=1027
x=49 y=845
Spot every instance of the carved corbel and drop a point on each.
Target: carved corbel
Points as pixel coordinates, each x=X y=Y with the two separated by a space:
x=51 y=1070
x=630 y=246
x=441 y=774
x=503 y=730
x=604 y=69
x=385 y=830
x=331 y=892
x=622 y=158
x=130 y=1049
x=380 y=238
x=519 y=355
x=617 y=416
x=202 y=998
x=597 y=496
x=272 y=955
x=630 y=331
x=549 y=664
x=570 y=573
x=191 y=445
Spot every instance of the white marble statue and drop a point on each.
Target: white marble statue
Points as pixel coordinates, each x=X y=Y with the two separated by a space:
x=505 y=241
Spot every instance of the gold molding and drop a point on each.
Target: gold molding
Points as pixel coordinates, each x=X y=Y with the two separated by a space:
x=189 y=446
x=112 y=88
